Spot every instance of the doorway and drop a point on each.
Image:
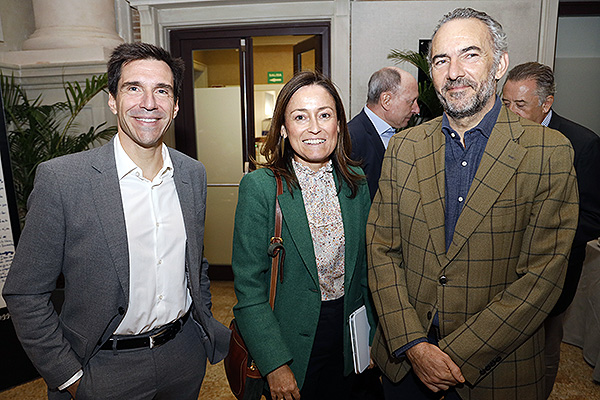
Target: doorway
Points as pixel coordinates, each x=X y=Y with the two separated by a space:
x=233 y=76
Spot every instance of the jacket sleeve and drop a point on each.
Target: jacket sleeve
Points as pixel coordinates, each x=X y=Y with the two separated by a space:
x=515 y=313
x=398 y=319
x=254 y=221
x=588 y=175
x=32 y=278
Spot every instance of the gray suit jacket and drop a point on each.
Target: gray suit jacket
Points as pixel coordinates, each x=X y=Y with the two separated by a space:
x=76 y=226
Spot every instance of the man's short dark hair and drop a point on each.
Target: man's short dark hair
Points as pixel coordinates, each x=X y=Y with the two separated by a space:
x=385 y=80
x=540 y=73
x=127 y=52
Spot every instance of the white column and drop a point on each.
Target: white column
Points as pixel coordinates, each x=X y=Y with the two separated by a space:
x=65 y=24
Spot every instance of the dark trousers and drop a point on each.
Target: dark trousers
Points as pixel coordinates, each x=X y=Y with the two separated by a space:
x=411 y=387
x=325 y=374
x=173 y=371
x=367 y=386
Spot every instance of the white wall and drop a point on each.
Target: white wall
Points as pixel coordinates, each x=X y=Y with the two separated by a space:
x=16 y=23
x=577 y=70
x=380 y=26
x=363 y=32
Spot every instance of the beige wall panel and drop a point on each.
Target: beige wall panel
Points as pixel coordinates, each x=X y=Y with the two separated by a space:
x=577 y=70
x=272 y=58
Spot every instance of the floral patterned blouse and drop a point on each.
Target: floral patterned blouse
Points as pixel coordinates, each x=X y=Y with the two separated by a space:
x=326 y=226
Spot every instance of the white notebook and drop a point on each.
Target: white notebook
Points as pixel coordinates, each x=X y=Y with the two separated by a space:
x=359 y=336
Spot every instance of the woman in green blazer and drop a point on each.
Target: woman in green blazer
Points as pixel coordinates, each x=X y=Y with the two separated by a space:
x=303 y=346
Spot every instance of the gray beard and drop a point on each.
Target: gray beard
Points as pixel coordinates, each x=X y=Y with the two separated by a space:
x=477 y=103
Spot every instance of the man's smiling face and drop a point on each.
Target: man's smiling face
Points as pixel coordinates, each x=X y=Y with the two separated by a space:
x=145 y=104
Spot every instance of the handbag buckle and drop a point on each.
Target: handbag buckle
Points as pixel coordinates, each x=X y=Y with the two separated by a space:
x=252 y=366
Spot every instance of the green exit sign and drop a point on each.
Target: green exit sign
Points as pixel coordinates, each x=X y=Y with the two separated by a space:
x=275 y=77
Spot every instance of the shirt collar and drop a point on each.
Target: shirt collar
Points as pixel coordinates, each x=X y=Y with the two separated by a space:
x=126 y=166
x=485 y=126
x=302 y=169
x=380 y=125
x=547 y=119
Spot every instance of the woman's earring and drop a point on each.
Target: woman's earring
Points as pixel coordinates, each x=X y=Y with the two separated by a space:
x=282 y=146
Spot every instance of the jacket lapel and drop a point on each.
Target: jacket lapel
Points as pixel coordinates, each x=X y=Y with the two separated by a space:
x=351 y=211
x=429 y=157
x=499 y=163
x=184 y=189
x=377 y=143
x=109 y=206
x=294 y=218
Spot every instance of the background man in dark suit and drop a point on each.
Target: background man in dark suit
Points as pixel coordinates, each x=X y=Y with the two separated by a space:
x=124 y=224
x=391 y=102
x=529 y=91
x=469 y=232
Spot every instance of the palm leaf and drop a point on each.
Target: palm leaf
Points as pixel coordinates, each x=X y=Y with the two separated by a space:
x=411 y=57
x=38 y=132
x=78 y=97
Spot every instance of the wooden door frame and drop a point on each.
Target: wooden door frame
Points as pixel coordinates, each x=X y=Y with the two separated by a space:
x=181 y=41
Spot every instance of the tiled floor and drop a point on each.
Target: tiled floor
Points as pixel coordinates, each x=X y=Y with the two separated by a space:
x=574 y=381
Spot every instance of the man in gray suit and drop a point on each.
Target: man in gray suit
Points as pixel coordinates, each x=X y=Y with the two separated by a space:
x=124 y=225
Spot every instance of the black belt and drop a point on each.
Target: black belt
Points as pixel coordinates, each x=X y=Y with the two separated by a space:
x=164 y=334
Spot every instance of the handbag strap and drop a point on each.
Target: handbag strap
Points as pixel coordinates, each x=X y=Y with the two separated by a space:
x=276 y=250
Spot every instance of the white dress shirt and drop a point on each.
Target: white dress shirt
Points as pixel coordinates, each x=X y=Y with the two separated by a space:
x=156 y=241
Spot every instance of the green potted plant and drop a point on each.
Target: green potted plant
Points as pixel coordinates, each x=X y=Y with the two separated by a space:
x=38 y=132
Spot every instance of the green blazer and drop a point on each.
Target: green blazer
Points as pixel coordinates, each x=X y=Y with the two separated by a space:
x=285 y=336
x=504 y=269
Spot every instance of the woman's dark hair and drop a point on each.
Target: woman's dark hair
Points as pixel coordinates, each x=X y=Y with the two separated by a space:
x=127 y=52
x=281 y=161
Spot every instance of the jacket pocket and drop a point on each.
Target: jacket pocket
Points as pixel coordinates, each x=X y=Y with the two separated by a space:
x=78 y=342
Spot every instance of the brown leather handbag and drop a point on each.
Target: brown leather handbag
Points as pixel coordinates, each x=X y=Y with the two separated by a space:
x=245 y=380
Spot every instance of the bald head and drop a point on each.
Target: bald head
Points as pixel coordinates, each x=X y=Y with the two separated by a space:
x=392 y=95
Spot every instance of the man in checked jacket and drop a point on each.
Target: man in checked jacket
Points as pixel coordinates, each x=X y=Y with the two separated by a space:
x=469 y=233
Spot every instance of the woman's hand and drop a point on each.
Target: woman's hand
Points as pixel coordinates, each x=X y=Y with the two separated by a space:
x=283 y=384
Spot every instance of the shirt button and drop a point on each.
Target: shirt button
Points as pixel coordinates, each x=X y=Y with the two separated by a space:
x=159 y=262
x=443 y=280
x=460 y=199
x=452 y=134
x=464 y=163
x=160 y=297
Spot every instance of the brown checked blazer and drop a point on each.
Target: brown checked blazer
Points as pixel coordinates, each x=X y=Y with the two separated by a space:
x=504 y=269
